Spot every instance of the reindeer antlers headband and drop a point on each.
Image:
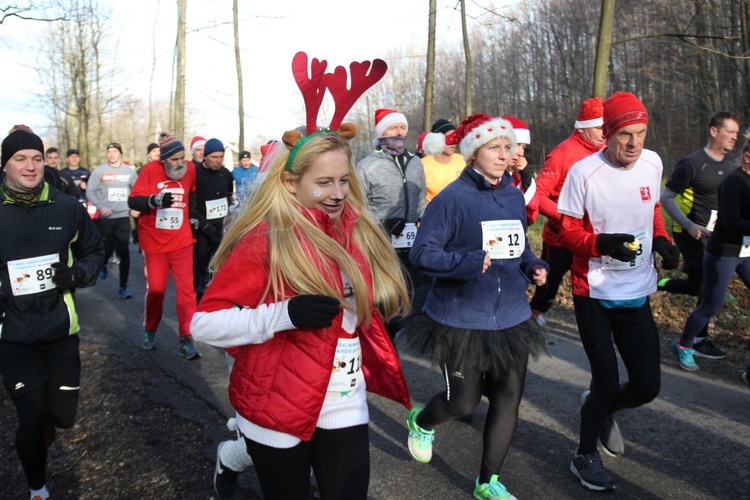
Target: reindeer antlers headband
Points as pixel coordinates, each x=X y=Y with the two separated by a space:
x=313 y=85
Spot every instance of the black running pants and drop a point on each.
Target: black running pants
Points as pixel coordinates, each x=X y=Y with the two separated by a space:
x=463 y=392
x=340 y=459
x=634 y=332
x=559 y=260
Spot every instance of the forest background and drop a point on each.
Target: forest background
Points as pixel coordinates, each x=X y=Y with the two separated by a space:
x=533 y=59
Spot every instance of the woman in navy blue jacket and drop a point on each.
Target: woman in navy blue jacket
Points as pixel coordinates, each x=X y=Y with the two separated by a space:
x=477 y=322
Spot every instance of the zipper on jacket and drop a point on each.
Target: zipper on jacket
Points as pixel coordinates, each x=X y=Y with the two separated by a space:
x=403 y=183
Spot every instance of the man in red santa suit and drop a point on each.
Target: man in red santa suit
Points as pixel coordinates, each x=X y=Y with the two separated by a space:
x=587 y=138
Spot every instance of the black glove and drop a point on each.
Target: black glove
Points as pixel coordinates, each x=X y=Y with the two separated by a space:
x=161 y=200
x=394 y=225
x=614 y=246
x=526 y=177
x=313 y=311
x=67 y=278
x=670 y=254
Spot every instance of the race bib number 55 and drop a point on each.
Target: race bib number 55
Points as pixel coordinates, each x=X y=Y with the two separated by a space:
x=169 y=219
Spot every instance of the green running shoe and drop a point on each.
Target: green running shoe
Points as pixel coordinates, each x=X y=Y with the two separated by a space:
x=494 y=490
x=420 y=440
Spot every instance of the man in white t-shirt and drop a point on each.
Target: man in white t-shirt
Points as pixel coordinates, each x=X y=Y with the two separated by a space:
x=611 y=221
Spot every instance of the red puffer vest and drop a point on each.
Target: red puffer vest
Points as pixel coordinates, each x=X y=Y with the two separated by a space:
x=281 y=384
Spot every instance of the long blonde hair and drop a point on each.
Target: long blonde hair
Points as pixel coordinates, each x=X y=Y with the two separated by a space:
x=292 y=264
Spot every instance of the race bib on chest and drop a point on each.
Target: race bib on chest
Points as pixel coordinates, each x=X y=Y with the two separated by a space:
x=117 y=194
x=503 y=239
x=406 y=239
x=641 y=257
x=347 y=365
x=712 y=220
x=169 y=218
x=34 y=275
x=745 y=248
x=217 y=209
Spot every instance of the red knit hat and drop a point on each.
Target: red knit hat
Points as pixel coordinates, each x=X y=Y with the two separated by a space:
x=384 y=118
x=591 y=113
x=523 y=134
x=620 y=110
x=477 y=130
x=196 y=142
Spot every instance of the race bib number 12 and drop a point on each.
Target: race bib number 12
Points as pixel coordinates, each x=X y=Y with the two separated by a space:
x=503 y=239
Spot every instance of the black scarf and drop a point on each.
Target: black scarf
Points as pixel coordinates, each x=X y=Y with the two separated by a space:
x=25 y=198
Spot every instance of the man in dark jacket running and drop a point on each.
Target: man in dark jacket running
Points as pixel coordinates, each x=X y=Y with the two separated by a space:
x=49 y=248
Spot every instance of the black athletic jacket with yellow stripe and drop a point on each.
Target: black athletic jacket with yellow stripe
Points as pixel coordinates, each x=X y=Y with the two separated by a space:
x=56 y=228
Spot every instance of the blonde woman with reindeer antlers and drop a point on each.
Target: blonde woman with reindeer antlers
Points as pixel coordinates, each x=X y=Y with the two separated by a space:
x=303 y=280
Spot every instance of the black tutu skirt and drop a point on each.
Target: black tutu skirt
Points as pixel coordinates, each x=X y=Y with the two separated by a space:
x=491 y=351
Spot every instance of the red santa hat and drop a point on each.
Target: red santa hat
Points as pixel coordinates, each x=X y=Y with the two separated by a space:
x=268 y=152
x=477 y=130
x=384 y=118
x=420 y=141
x=434 y=143
x=591 y=113
x=523 y=134
x=622 y=109
x=196 y=142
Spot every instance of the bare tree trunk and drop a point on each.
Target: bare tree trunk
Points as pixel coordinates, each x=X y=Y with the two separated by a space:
x=430 y=73
x=467 y=51
x=150 y=126
x=178 y=116
x=240 y=92
x=603 y=48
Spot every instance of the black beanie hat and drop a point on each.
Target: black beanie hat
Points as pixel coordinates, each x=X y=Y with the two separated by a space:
x=151 y=147
x=442 y=126
x=20 y=137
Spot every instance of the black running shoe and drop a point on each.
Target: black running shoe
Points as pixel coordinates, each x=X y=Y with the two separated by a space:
x=590 y=470
x=707 y=349
x=610 y=438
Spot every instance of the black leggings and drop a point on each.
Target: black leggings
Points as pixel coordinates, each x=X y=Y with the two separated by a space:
x=34 y=409
x=637 y=339
x=692 y=251
x=53 y=402
x=559 y=260
x=463 y=393
x=340 y=459
x=203 y=250
x=116 y=233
